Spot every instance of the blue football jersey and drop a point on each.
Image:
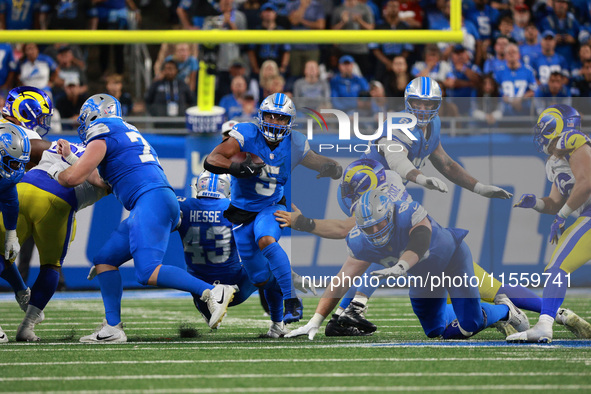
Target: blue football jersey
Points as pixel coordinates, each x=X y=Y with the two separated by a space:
x=130 y=164
x=543 y=66
x=207 y=236
x=418 y=151
x=257 y=192
x=515 y=83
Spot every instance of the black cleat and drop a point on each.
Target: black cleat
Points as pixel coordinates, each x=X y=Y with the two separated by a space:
x=354 y=316
x=292 y=310
x=334 y=329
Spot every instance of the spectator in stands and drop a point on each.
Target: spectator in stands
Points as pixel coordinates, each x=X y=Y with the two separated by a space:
x=112 y=15
x=192 y=13
x=275 y=85
x=386 y=52
x=463 y=80
x=20 y=15
x=553 y=92
x=35 y=69
x=582 y=86
x=497 y=63
x=397 y=79
x=187 y=65
x=531 y=47
x=517 y=83
x=353 y=15
x=304 y=15
x=232 y=102
x=487 y=107
x=168 y=50
x=584 y=54
x=505 y=27
x=69 y=70
x=69 y=104
x=71 y=14
x=315 y=91
x=269 y=70
x=379 y=102
x=7 y=66
x=564 y=24
x=249 y=109
x=115 y=89
x=411 y=13
x=521 y=17
x=433 y=66
x=485 y=18
x=437 y=18
x=168 y=96
x=345 y=86
x=448 y=108
x=257 y=54
x=78 y=58
x=548 y=61
x=251 y=10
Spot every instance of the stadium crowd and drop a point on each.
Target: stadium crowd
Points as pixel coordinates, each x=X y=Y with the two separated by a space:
x=530 y=53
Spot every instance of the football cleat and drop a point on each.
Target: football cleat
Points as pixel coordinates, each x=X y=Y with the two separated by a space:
x=277 y=330
x=354 y=316
x=540 y=333
x=517 y=319
x=106 y=334
x=334 y=329
x=574 y=323
x=23 y=297
x=217 y=300
x=25 y=331
x=293 y=310
x=203 y=310
x=3 y=336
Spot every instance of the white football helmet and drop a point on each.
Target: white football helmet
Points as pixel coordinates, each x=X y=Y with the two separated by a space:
x=213 y=185
x=374 y=215
x=282 y=109
x=422 y=98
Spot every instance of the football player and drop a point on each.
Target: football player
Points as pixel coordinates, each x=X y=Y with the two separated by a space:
x=127 y=162
x=558 y=134
x=402 y=233
x=15 y=150
x=257 y=190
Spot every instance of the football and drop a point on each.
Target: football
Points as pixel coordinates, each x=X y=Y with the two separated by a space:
x=241 y=156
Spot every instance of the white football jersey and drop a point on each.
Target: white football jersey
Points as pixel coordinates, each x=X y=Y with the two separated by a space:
x=559 y=173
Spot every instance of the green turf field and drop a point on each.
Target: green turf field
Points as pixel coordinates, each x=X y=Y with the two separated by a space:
x=234 y=359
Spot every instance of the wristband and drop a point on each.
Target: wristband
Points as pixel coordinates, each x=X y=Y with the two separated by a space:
x=303 y=223
x=404 y=265
x=71 y=158
x=565 y=211
x=317 y=319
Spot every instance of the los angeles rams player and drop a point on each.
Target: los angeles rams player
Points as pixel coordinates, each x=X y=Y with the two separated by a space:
x=558 y=134
x=257 y=190
x=15 y=150
x=210 y=249
x=48 y=214
x=127 y=162
x=402 y=233
x=32 y=109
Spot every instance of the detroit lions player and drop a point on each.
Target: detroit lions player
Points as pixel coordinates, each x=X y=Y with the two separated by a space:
x=127 y=162
x=257 y=190
x=15 y=150
x=48 y=214
x=401 y=233
x=210 y=249
x=32 y=109
x=558 y=134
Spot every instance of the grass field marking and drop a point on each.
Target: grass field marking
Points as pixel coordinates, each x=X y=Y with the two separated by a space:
x=288 y=375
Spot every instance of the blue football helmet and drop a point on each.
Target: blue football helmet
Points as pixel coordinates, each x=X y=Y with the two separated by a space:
x=100 y=105
x=32 y=107
x=213 y=185
x=374 y=215
x=280 y=108
x=360 y=176
x=15 y=151
x=422 y=98
x=553 y=122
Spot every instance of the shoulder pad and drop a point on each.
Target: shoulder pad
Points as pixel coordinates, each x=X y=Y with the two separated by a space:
x=573 y=140
x=96 y=129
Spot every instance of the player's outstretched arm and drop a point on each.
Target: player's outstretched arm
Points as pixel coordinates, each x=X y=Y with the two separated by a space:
x=325 y=228
x=458 y=175
x=550 y=205
x=82 y=168
x=325 y=166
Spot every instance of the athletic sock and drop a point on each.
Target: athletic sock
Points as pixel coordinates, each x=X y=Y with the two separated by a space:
x=44 y=287
x=13 y=277
x=522 y=298
x=111 y=291
x=177 y=278
x=281 y=268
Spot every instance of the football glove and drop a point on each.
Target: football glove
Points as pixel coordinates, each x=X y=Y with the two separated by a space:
x=557 y=229
x=11 y=245
x=526 y=201
x=491 y=191
x=431 y=183
x=298 y=283
x=309 y=329
x=398 y=269
x=330 y=169
x=246 y=169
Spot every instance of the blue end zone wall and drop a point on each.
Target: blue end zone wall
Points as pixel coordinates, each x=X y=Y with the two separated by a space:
x=502 y=239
